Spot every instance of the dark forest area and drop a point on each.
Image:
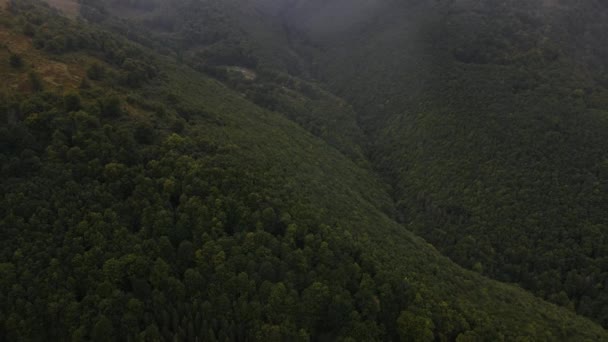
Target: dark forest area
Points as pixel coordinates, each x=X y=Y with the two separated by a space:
x=290 y=170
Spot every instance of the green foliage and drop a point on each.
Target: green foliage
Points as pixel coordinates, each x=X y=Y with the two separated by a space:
x=29 y=30
x=110 y=106
x=103 y=330
x=96 y=72
x=490 y=130
x=223 y=246
x=203 y=216
x=15 y=61
x=144 y=133
x=413 y=327
x=72 y=102
x=35 y=82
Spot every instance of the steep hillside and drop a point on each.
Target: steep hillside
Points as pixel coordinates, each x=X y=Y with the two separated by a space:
x=490 y=120
x=246 y=50
x=155 y=203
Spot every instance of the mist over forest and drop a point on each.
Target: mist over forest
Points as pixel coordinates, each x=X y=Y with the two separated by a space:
x=303 y=170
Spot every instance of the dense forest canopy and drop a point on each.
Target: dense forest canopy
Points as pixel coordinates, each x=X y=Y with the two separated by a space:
x=303 y=170
x=491 y=126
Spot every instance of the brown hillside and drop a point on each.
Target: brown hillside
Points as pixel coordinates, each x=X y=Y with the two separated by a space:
x=61 y=75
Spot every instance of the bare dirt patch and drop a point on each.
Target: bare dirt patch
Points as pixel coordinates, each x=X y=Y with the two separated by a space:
x=13 y=42
x=56 y=74
x=247 y=74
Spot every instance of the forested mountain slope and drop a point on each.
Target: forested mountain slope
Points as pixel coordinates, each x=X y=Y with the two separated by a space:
x=148 y=195
x=490 y=119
